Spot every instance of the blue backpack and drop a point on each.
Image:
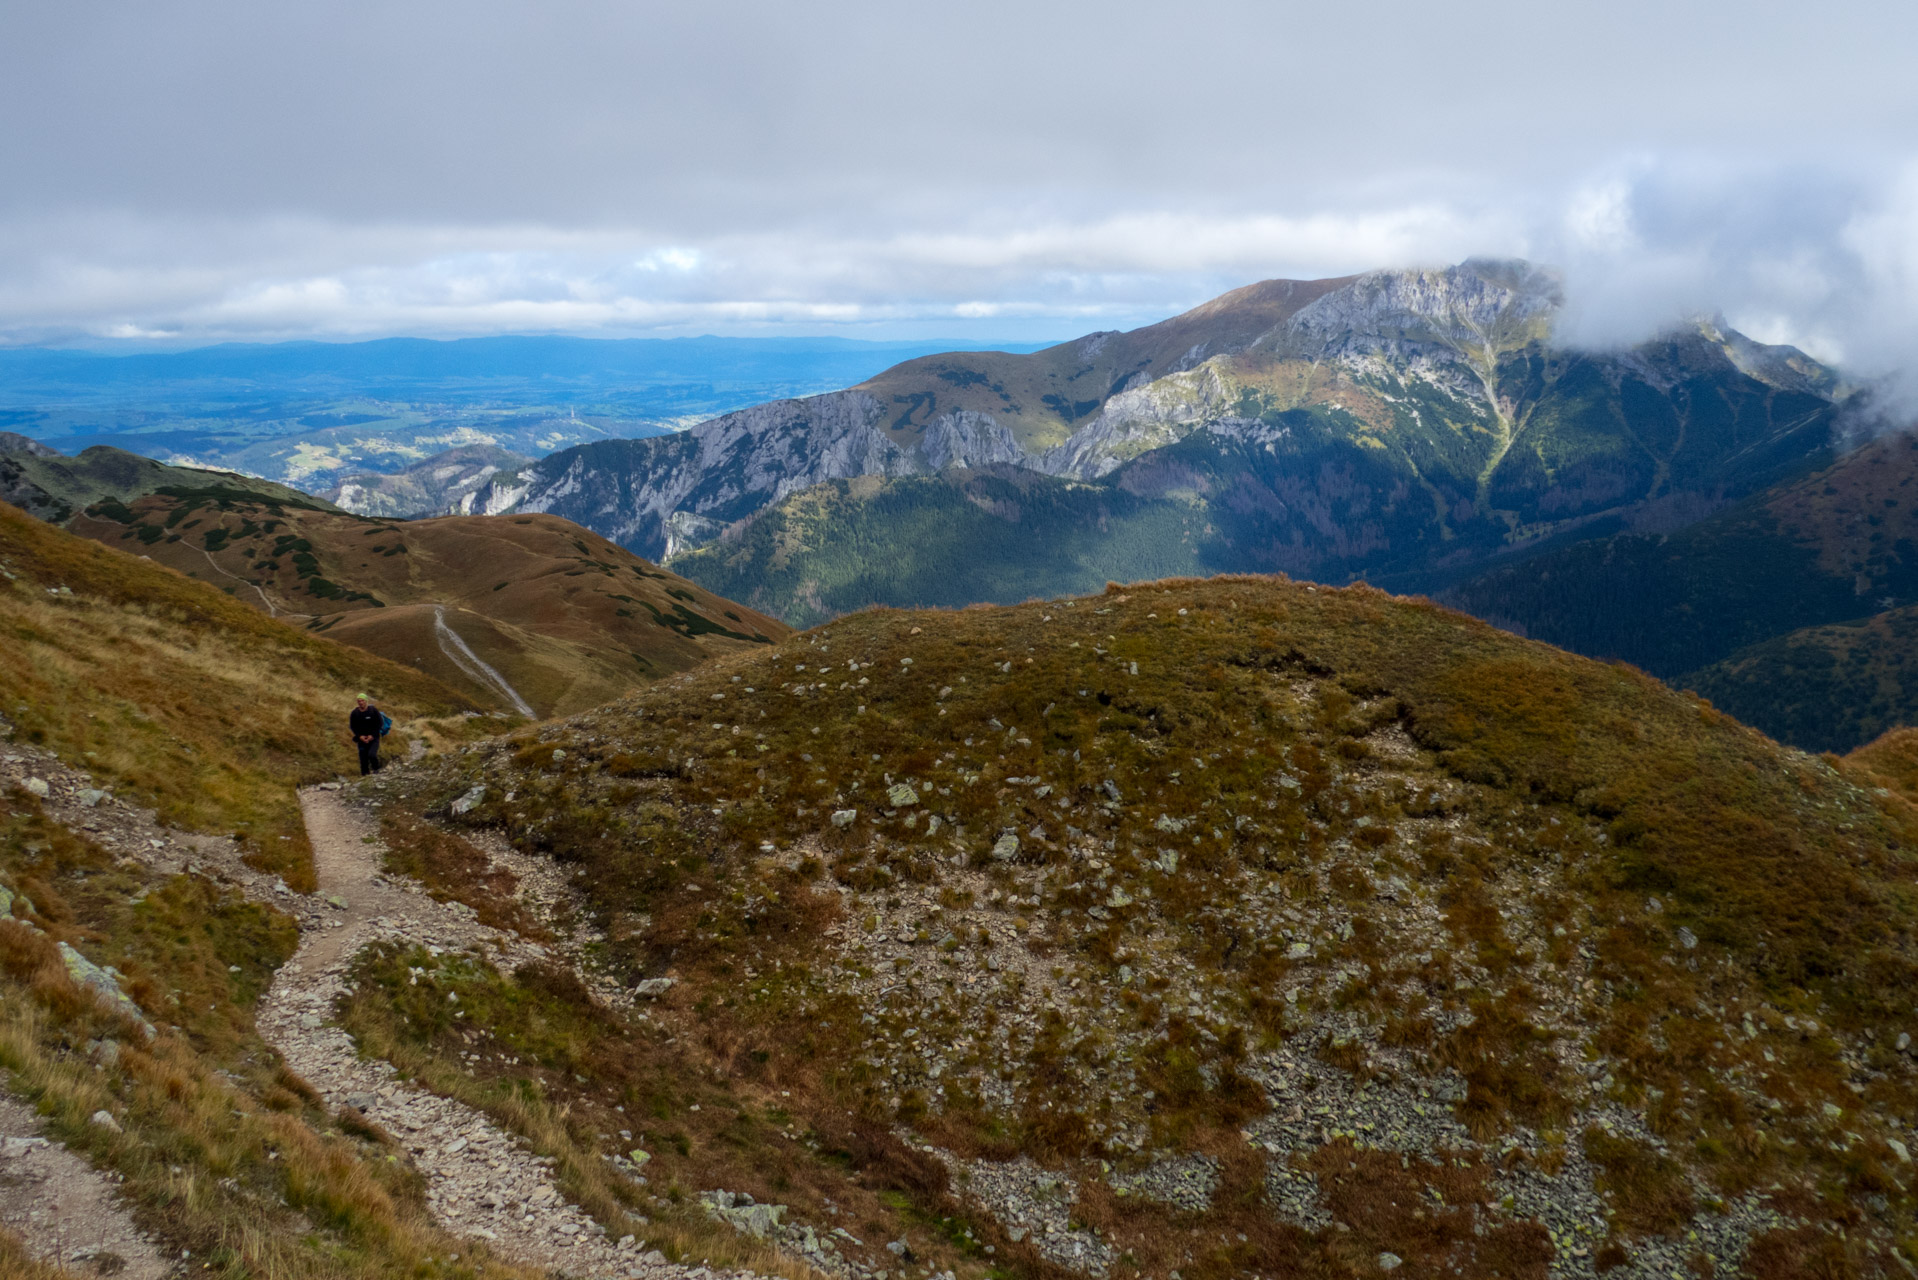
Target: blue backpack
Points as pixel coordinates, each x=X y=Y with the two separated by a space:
x=386 y=724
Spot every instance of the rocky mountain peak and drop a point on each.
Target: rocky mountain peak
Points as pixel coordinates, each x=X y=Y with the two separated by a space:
x=1478 y=308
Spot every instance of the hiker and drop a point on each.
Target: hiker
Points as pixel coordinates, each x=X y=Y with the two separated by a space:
x=366 y=725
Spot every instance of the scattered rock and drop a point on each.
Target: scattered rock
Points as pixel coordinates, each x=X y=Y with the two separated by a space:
x=1006 y=848
x=470 y=801
x=653 y=988
x=844 y=817
x=104 y=983
x=104 y=1119
x=37 y=786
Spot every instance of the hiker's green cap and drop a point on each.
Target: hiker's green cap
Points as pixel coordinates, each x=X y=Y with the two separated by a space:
x=362 y=697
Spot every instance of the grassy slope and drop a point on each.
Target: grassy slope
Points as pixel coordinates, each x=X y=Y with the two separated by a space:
x=179 y=697
x=567 y=617
x=1366 y=835
x=176 y=696
x=220 y=1151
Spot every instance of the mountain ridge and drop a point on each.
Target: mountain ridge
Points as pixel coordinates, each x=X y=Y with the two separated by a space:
x=1443 y=375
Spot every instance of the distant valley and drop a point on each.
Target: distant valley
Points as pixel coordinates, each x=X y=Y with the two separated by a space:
x=311 y=413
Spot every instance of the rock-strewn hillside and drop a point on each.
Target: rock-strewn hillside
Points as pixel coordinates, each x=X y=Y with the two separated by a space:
x=1407 y=419
x=1247 y=928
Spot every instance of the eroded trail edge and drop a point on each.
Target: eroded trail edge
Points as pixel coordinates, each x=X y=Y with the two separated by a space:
x=482 y=1181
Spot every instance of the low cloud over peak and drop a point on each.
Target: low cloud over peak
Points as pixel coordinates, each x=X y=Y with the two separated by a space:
x=213 y=172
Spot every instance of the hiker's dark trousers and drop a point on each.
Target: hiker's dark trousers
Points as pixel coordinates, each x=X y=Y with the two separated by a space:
x=369 y=756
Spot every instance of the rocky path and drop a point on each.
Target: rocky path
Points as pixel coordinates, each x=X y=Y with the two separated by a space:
x=482 y=1182
x=63 y=1208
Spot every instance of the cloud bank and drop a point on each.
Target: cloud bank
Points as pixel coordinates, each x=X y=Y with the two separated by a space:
x=189 y=173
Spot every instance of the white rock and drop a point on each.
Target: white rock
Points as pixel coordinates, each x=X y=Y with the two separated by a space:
x=104 y=1119
x=653 y=988
x=1006 y=848
x=844 y=817
x=36 y=786
x=470 y=801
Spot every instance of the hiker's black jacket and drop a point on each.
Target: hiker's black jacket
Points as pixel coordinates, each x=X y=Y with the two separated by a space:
x=364 y=721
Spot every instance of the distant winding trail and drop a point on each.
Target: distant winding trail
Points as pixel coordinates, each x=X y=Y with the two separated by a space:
x=456 y=648
x=272 y=610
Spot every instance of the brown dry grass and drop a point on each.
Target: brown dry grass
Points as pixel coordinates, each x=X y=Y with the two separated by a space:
x=220 y=1150
x=178 y=697
x=17 y=1264
x=569 y=618
x=452 y=869
x=545 y=1060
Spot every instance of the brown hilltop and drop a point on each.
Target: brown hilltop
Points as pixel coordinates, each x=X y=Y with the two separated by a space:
x=529 y=613
x=1283 y=927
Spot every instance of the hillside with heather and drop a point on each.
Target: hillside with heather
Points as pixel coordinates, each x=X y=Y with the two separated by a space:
x=1236 y=927
x=529 y=615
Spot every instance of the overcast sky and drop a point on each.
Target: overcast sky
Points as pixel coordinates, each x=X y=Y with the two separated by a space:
x=183 y=173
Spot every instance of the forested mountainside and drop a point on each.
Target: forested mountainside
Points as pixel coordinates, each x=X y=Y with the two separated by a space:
x=1725 y=604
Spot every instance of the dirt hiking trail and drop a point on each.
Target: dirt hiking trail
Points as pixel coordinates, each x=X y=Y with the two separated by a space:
x=481 y=1180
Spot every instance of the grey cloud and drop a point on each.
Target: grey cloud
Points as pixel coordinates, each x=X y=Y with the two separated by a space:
x=241 y=170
